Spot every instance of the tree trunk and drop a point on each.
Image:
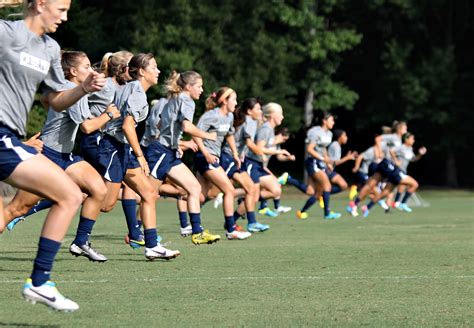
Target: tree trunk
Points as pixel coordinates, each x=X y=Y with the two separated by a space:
x=308 y=117
x=451 y=172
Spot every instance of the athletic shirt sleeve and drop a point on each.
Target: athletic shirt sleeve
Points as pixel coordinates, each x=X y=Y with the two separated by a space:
x=264 y=133
x=249 y=129
x=334 y=151
x=311 y=136
x=136 y=104
x=55 y=80
x=206 y=121
x=186 y=110
x=80 y=112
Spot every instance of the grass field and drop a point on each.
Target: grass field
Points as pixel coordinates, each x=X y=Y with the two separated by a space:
x=396 y=270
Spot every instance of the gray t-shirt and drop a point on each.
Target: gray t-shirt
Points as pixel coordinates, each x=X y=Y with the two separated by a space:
x=267 y=133
x=152 y=122
x=246 y=130
x=60 y=129
x=27 y=60
x=131 y=101
x=391 y=140
x=320 y=137
x=369 y=158
x=214 y=121
x=177 y=110
x=334 y=151
x=405 y=155
x=100 y=100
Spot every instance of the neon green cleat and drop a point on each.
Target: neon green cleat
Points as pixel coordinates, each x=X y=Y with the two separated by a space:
x=204 y=238
x=301 y=215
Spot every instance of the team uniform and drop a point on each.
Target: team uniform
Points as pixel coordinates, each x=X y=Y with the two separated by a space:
x=115 y=155
x=58 y=135
x=27 y=61
x=255 y=163
x=213 y=121
x=98 y=103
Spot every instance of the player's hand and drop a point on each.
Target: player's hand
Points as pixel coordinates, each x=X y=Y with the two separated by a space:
x=35 y=142
x=144 y=165
x=422 y=151
x=237 y=161
x=93 y=82
x=211 y=159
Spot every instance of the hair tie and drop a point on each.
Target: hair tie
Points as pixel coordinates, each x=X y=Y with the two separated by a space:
x=213 y=95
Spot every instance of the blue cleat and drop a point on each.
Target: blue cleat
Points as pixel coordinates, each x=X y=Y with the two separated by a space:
x=135 y=244
x=257 y=227
x=268 y=212
x=365 y=211
x=332 y=216
x=13 y=223
x=404 y=207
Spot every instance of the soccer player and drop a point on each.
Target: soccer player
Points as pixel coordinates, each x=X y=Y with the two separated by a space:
x=120 y=157
x=318 y=139
x=405 y=156
x=219 y=118
x=30 y=57
x=164 y=153
x=265 y=142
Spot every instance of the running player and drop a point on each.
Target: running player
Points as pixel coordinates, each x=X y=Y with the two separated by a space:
x=164 y=153
x=29 y=57
x=317 y=140
x=120 y=157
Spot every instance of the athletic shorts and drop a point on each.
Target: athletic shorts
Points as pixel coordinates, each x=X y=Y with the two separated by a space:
x=314 y=165
x=62 y=160
x=114 y=159
x=390 y=171
x=361 y=177
x=255 y=169
x=330 y=173
x=90 y=146
x=228 y=164
x=201 y=165
x=161 y=160
x=12 y=151
x=372 y=168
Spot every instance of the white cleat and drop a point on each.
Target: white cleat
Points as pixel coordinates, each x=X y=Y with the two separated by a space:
x=238 y=235
x=49 y=295
x=86 y=251
x=186 y=231
x=283 y=209
x=219 y=200
x=160 y=252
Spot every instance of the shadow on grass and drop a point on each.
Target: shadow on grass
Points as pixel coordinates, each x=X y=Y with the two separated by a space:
x=15 y=324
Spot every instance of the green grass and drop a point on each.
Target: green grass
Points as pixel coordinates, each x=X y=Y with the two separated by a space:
x=396 y=270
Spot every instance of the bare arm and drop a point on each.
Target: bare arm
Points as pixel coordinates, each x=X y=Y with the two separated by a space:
x=194 y=131
x=96 y=123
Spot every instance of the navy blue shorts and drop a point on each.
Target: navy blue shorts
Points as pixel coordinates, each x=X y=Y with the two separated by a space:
x=372 y=168
x=255 y=169
x=330 y=173
x=161 y=160
x=114 y=159
x=314 y=165
x=62 y=160
x=12 y=152
x=201 y=165
x=228 y=164
x=361 y=177
x=90 y=147
x=390 y=171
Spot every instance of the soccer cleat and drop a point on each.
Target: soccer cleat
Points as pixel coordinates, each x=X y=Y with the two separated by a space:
x=352 y=209
x=301 y=215
x=219 y=200
x=404 y=207
x=14 y=222
x=140 y=242
x=86 y=251
x=321 y=202
x=353 y=192
x=238 y=235
x=332 y=216
x=204 y=238
x=160 y=252
x=365 y=211
x=283 y=209
x=268 y=212
x=49 y=295
x=283 y=179
x=257 y=227
x=186 y=231
x=383 y=204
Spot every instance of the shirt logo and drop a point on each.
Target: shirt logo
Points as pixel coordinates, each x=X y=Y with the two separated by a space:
x=34 y=63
